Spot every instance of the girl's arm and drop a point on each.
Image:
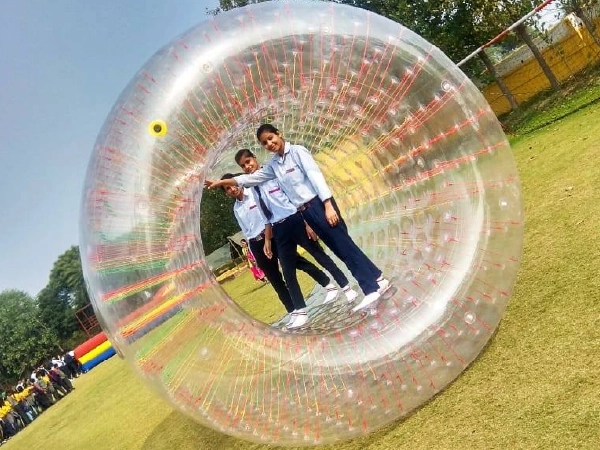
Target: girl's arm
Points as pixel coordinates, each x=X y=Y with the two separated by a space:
x=310 y=168
x=265 y=173
x=315 y=176
x=267 y=245
x=211 y=184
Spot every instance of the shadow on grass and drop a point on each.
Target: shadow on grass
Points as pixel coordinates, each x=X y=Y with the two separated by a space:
x=257 y=286
x=178 y=431
x=559 y=117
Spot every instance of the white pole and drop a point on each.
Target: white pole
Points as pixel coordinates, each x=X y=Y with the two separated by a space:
x=505 y=32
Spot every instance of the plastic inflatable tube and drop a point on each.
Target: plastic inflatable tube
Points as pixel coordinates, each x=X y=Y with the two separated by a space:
x=109 y=352
x=90 y=344
x=95 y=352
x=414 y=157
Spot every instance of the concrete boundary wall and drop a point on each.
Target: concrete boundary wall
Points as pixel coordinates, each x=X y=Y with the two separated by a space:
x=567 y=51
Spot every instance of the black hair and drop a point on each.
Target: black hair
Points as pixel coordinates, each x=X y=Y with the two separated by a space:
x=226 y=176
x=242 y=154
x=266 y=127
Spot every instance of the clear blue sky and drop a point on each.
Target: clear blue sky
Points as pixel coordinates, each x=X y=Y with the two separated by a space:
x=62 y=66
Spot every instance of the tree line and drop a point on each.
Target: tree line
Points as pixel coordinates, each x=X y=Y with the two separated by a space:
x=35 y=328
x=461 y=27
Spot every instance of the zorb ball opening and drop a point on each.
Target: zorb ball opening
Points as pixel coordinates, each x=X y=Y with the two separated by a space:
x=418 y=163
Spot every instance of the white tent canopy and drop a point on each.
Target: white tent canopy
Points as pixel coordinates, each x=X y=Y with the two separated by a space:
x=222 y=255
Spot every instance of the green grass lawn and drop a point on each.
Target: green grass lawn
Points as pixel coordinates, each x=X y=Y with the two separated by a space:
x=536 y=386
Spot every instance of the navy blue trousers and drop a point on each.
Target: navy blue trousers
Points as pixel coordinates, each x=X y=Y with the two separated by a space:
x=342 y=245
x=271 y=269
x=289 y=234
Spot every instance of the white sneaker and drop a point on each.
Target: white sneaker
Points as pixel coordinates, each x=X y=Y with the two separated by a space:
x=285 y=319
x=368 y=300
x=290 y=317
x=300 y=319
x=383 y=284
x=332 y=293
x=351 y=294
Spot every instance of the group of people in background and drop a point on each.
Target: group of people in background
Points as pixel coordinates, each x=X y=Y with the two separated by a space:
x=23 y=403
x=287 y=203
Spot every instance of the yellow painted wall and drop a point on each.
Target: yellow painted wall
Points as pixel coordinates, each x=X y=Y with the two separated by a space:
x=565 y=58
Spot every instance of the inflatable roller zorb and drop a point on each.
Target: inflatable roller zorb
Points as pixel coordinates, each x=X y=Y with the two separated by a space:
x=417 y=162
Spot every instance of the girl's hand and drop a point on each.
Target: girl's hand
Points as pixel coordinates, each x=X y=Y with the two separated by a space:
x=311 y=233
x=267 y=249
x=211 y=184
x=330 y=214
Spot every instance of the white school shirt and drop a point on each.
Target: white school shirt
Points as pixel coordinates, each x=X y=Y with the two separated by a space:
x=276 y=200
x=249 y=215
x=297 y=173
x=58 y=362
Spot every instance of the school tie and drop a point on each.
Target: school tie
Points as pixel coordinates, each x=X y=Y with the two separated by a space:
x=266 y=211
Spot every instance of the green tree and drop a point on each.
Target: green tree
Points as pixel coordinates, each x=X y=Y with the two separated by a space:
x=460 y=27
x=24 y=339
x=226 y=5
x=578 y=7
x=217 y=221
x=457 y=27
x=56 y=312
x=64 y=294
x=67 y=277
x=524 y=34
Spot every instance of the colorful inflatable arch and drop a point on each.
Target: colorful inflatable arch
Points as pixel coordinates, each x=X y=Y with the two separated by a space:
x=93 y=351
